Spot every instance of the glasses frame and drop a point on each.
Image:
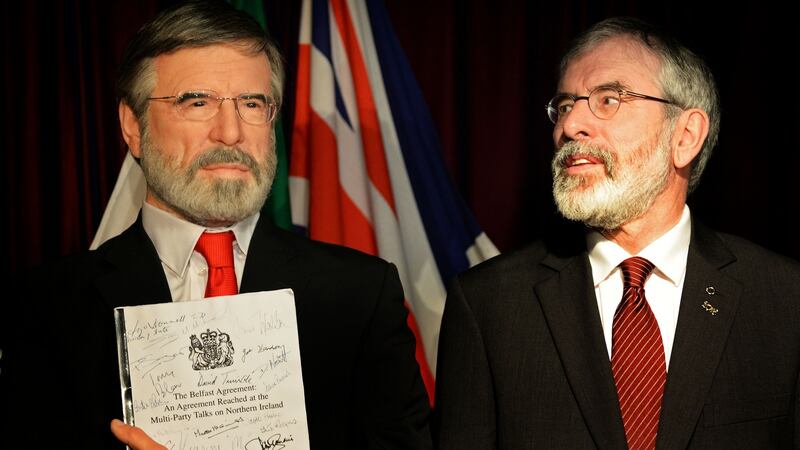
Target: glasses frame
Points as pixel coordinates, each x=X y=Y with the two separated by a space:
x=271 y=103
x=552 y=111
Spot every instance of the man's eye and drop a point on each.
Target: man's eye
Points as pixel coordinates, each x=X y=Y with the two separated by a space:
x=252 y=104
x=609 y=100
x=193 y=100
x=564 y=108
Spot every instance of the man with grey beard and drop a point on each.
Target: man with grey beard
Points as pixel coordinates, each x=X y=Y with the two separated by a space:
x=198 y=89
x=642 y=328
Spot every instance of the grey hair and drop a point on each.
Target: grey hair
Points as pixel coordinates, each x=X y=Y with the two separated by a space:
x=193 y=24
x=685 y=79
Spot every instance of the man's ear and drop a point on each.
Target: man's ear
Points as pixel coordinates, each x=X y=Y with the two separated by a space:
x=691 y=129
x=131 y=131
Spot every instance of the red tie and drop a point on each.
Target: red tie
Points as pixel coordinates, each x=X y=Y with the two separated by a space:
x=637 y=358
x=217 y=249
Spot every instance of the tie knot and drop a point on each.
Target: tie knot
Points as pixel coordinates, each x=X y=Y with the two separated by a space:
x=216 y=248
x=635 y=271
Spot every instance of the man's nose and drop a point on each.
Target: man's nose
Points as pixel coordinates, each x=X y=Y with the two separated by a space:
x=578 y=124
x=227 y=124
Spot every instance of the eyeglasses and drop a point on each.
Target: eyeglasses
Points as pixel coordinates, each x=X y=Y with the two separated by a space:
x=255 y=109
x=603 y=102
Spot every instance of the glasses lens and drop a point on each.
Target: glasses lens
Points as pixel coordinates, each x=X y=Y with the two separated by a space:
x=256 y=109
x=198 y=105
x=559 y=106
x=604 y=102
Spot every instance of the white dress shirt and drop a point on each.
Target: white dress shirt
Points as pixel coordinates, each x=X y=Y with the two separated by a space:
x=662 y=289
x=174 y=240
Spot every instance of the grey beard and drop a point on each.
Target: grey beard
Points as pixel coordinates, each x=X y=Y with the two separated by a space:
x=626 y=193
x=207 y=203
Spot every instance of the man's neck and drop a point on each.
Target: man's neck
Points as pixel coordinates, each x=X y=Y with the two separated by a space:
x=638 y=233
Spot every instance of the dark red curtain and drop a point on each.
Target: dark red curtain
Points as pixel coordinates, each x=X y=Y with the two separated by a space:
x=61 y=141
x=486 y=68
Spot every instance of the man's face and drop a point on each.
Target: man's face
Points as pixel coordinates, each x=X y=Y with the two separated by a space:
x=214 y=172
x=608 y=172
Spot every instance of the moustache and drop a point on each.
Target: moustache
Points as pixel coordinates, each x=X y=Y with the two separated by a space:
x=223 y=155
x=574 y=148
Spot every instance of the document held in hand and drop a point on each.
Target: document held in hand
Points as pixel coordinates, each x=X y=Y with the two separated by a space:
x=221 y=372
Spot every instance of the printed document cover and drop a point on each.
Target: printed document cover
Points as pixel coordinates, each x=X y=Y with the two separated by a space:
x=217 y=373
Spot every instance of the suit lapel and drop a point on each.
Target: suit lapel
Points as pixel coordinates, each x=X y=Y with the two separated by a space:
x=570 y=308
x=271 y=261
x=136 y=276
x=700 y=336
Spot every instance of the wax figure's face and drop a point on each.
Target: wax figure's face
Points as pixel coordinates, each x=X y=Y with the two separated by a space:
x=213 y=172
x=609 y=171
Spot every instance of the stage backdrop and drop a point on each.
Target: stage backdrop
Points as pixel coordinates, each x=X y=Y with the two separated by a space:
x=486 y=69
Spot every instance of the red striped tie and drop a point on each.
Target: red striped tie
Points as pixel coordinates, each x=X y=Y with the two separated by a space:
x=217 y=249
x=637 y=358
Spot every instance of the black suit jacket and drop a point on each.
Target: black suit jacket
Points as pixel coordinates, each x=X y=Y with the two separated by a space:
x=523 y=363
x=362 y=384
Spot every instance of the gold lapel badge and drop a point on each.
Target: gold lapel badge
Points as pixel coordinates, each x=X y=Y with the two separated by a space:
x=709 y=308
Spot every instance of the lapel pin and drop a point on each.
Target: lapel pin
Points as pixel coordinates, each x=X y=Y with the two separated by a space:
x=710 y=290
x=709 y=308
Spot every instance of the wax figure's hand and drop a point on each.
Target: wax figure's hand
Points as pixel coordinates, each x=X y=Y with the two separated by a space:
x=134 y=437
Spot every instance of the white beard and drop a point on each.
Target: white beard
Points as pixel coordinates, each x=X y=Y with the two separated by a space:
x=627 y=191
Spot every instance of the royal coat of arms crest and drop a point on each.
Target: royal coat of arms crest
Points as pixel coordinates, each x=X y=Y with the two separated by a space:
x=211 y=350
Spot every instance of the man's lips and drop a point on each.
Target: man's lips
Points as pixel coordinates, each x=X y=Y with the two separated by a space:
x=580 y=163
x=220 y=168
x=231 y=166
x=577 y=160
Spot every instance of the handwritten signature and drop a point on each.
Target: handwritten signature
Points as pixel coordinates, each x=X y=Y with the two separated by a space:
x=245 y=352
x=148 y=363
x=219 y=429
x=154 y=326
x=161 y=341
x=276 y=442
x=271 y=322
x=154 y=401
x=163 y=388
x=278 y=380
x=275 y=361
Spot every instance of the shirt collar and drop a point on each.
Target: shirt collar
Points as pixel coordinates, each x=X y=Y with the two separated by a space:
x=175 y=238
x=669 y=252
